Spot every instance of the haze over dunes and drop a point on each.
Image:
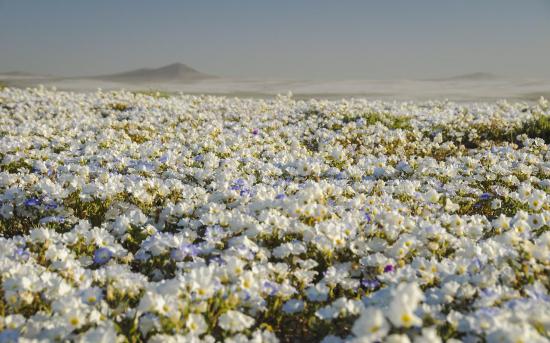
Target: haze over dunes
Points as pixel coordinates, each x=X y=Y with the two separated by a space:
x=179 y=77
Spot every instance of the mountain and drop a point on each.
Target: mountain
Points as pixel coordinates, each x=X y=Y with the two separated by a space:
x=176 y=72
x=479 y=76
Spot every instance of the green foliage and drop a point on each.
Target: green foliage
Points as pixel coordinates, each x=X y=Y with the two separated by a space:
x=118 y=106
x=16 y=226
x=538 y=127
x=389 y=120
x=94 y=211
x=154 y=94
x=15 y=166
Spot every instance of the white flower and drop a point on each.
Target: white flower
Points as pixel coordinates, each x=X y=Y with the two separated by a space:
x=100 y=334
x=406 y=298
x=450 y=206
x=432 y=196
x=502 y=223
x=429 y=335
x=235 y=321
x=152 y=302
x=239 y=208
x=196 y=324
x=397 y=338
x=371 y=326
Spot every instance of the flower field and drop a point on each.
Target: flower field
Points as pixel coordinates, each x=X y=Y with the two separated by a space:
x=147 y=217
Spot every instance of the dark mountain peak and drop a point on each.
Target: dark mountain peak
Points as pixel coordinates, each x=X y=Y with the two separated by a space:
x=175 y=72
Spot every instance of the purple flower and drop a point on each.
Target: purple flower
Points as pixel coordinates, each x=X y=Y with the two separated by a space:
x=218 y=260
x=368 y=218
x=22 y=253
x=245 y=191
x=270 y=287
x=32 y=202
x=235 y=188
x=102 y=255
x=370 y=284
x=388 y=268
x=486 y=292
x=255 y=131
x=340 y=176
x=279 y=196
x=476 y=262
x=485 y=196
x=240 y=185
x=192 y=249
x=198 y=158
x=240 y=182
x=52 y=219
x=51 y=205
x=179 y=254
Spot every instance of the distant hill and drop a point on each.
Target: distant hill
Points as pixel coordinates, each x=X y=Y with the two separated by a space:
x=176 y=72
x=479 y=76
x=17 y=73
x=23 y=74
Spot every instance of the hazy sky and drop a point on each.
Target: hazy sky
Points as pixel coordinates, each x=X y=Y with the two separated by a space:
x=279 y=39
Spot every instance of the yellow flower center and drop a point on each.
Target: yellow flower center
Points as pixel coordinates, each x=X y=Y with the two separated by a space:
x=374 y=329
x=406 y=319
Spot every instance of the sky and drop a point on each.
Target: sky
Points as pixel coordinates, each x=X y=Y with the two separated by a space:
x=283 y=39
